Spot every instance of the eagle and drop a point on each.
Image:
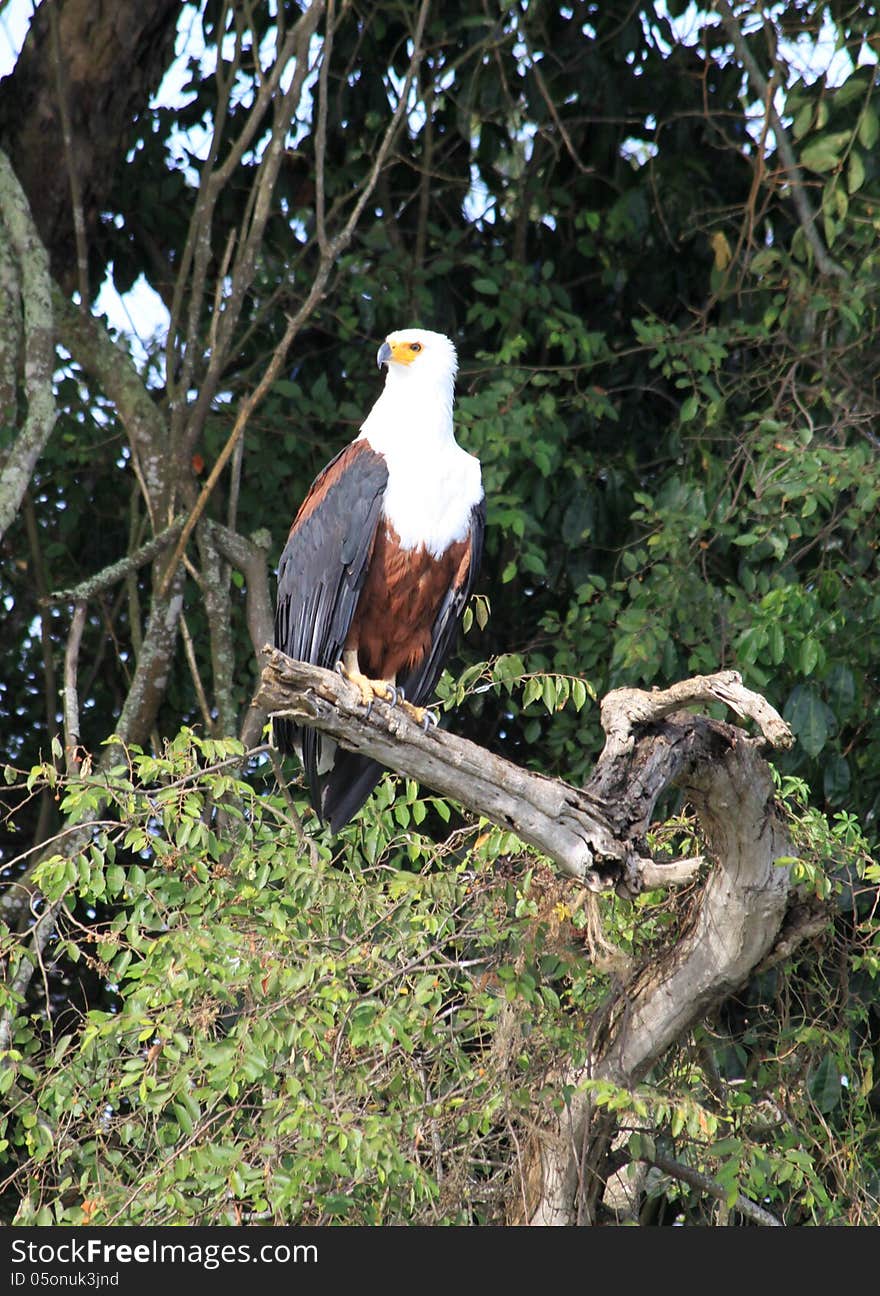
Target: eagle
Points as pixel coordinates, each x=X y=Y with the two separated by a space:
x=381 y=560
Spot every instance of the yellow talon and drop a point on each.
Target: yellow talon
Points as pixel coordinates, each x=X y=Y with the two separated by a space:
x=423 y=716
x=369 y=689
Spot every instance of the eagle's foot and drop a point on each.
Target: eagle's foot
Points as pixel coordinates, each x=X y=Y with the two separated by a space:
x=369 y=689
x=424 y=717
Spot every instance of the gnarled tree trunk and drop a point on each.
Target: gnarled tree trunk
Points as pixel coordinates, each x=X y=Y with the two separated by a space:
x=85 y=71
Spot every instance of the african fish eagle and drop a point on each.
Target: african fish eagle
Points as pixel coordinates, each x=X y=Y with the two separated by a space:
x=381 y=560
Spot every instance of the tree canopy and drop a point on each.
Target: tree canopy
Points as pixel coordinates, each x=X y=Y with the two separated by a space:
x=651 y=231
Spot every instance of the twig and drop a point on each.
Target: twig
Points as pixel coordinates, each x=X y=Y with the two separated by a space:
x=110 y=575
x=76 y=202
x=190 y=654
x=806 y=215
x=705 y=1183
x=71 y=696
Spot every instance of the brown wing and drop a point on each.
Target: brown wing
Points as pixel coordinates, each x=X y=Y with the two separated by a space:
x=352 y=777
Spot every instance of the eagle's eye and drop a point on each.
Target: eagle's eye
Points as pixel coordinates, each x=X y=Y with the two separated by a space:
x=415 y=346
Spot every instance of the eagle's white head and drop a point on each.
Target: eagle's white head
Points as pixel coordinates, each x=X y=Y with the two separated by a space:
x=415 y=406
x=433 y=484
x=418 y=357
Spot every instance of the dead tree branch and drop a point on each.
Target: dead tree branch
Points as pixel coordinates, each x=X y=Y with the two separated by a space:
x=597 y=836
x=111 y=575
x=547 y=813
x=704 y=1183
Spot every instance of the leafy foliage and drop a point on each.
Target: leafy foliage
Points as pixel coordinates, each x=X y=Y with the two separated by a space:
x=287 y=1038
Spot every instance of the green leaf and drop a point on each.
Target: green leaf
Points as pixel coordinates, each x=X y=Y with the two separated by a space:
x=532 y=690
x=809 y=656
x=836 y=779
x=809 y=717
x=803 y=121
x=869 y=128
x=855 y=173
x=825 y=153
x=824 y=1084
x=689 y=409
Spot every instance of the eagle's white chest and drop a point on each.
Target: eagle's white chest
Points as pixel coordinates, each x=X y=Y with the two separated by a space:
x=432 y=483
x=428 y=499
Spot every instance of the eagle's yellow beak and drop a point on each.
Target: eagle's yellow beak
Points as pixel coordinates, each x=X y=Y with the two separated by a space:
x=401 y=352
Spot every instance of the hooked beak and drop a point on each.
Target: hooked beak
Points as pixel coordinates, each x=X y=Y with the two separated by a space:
x=384 y=355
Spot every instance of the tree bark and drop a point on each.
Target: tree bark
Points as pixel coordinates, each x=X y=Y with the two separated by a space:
x=112 y=57
x=739 y=915
x=34 y=315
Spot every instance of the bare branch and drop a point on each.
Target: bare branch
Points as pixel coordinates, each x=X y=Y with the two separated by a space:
x=76 y=203
x=71 y=694
x=658 y=874
x=17 y=465
x=150 y=678
x=218 y=609
x=202 y=697
x=806 y=215
x=249 y=556
x=625 y=710
x=314 y=295
x=188 y=420
x=116 y=571
x=547 y=813
x=705 y=1183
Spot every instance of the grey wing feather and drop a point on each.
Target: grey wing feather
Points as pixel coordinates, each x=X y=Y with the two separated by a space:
x=320 y=576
